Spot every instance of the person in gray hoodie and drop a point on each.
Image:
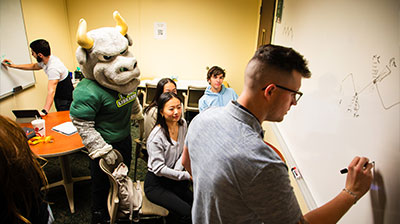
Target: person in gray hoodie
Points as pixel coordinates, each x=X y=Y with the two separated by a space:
x=216 y=94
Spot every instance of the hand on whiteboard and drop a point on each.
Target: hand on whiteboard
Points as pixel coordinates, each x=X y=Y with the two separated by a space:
x=359 y=176
x=7 y=63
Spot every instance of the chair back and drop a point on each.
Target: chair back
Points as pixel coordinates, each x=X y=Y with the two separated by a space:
x=192 y=96
x=112 y=200
x=149 y=94
x=149 y=210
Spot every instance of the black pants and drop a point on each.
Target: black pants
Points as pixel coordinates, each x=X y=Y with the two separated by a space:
x=170 y=194
x=100 y=182
x=62 y=105
x=63 y=95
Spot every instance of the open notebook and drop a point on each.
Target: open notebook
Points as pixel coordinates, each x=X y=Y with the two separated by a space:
x=66 y=128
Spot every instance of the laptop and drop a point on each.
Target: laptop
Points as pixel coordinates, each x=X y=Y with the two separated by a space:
x=26 y=116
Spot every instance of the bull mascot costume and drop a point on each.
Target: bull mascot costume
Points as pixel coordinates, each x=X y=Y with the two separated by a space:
x=104 y=101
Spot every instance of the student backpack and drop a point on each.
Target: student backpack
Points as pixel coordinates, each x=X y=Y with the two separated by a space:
x=130 y=196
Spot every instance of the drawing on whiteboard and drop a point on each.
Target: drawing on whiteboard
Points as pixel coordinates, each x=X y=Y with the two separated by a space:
x=375 y=62
x=352 y=107
x=288 y=32
x=378 y=75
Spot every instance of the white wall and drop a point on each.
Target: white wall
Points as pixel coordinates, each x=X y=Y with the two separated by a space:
x=351 y=105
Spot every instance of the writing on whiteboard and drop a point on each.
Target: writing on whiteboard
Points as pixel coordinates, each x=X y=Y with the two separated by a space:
x=378 y=74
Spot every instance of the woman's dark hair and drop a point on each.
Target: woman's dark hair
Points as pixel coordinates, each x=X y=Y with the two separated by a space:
x=215 y=70
x=41 y=46
x=159 y=91
x=20 y=173
x=163 y=99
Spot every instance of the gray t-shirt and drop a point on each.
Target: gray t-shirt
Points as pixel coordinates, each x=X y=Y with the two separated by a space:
x=165 y=159
x=54 y=69
x=237 y=178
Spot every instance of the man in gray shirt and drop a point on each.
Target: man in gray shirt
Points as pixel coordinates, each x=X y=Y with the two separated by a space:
x=237 y=178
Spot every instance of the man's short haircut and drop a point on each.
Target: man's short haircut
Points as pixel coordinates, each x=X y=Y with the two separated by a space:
x=40 y=46
x=215 y=70
x=282 y=58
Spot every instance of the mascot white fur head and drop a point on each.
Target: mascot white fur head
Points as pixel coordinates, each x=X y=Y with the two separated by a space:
x=104 y=56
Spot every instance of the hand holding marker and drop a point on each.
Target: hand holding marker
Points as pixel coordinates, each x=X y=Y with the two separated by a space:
x=345 y=170
x=6 y=62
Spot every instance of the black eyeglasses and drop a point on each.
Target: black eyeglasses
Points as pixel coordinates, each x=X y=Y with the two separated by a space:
x=297 y=95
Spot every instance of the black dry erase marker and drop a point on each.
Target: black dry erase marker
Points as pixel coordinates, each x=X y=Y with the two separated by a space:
x=345 y=170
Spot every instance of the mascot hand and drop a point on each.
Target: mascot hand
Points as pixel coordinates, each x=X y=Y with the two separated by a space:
x=110 y=157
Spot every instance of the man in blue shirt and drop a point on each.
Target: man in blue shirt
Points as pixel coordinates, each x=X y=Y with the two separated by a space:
x=216 y=94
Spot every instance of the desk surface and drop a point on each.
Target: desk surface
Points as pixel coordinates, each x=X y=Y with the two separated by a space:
x=181 y=84
x=62 y=144
x=61 y=147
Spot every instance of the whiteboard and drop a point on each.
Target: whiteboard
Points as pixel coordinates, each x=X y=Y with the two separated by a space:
x=13 y=46
x=351 y=104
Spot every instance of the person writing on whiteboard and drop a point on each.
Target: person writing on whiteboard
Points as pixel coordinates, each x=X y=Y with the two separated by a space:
x=216 y=94
x=59 y=87
x=237 y=178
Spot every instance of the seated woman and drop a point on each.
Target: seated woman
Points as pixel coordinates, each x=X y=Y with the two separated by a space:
x=167 y=183
x=216 y=94
x=150 y=112
x=21 y=178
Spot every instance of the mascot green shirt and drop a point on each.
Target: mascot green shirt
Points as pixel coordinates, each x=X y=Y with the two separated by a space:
x=109 y=109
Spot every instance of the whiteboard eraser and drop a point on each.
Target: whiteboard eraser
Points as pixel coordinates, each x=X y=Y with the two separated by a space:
x=17 y=89
x=296 y=172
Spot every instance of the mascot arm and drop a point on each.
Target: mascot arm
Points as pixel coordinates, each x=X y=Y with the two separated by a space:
x=137 y=112
x=93 y=141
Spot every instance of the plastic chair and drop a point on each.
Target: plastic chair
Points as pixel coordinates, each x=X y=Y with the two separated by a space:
x=148 y=210
x=148 y=94
x=112 y=200
x=192 y=96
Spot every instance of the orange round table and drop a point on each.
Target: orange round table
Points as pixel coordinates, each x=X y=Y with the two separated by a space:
x=62 y=146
